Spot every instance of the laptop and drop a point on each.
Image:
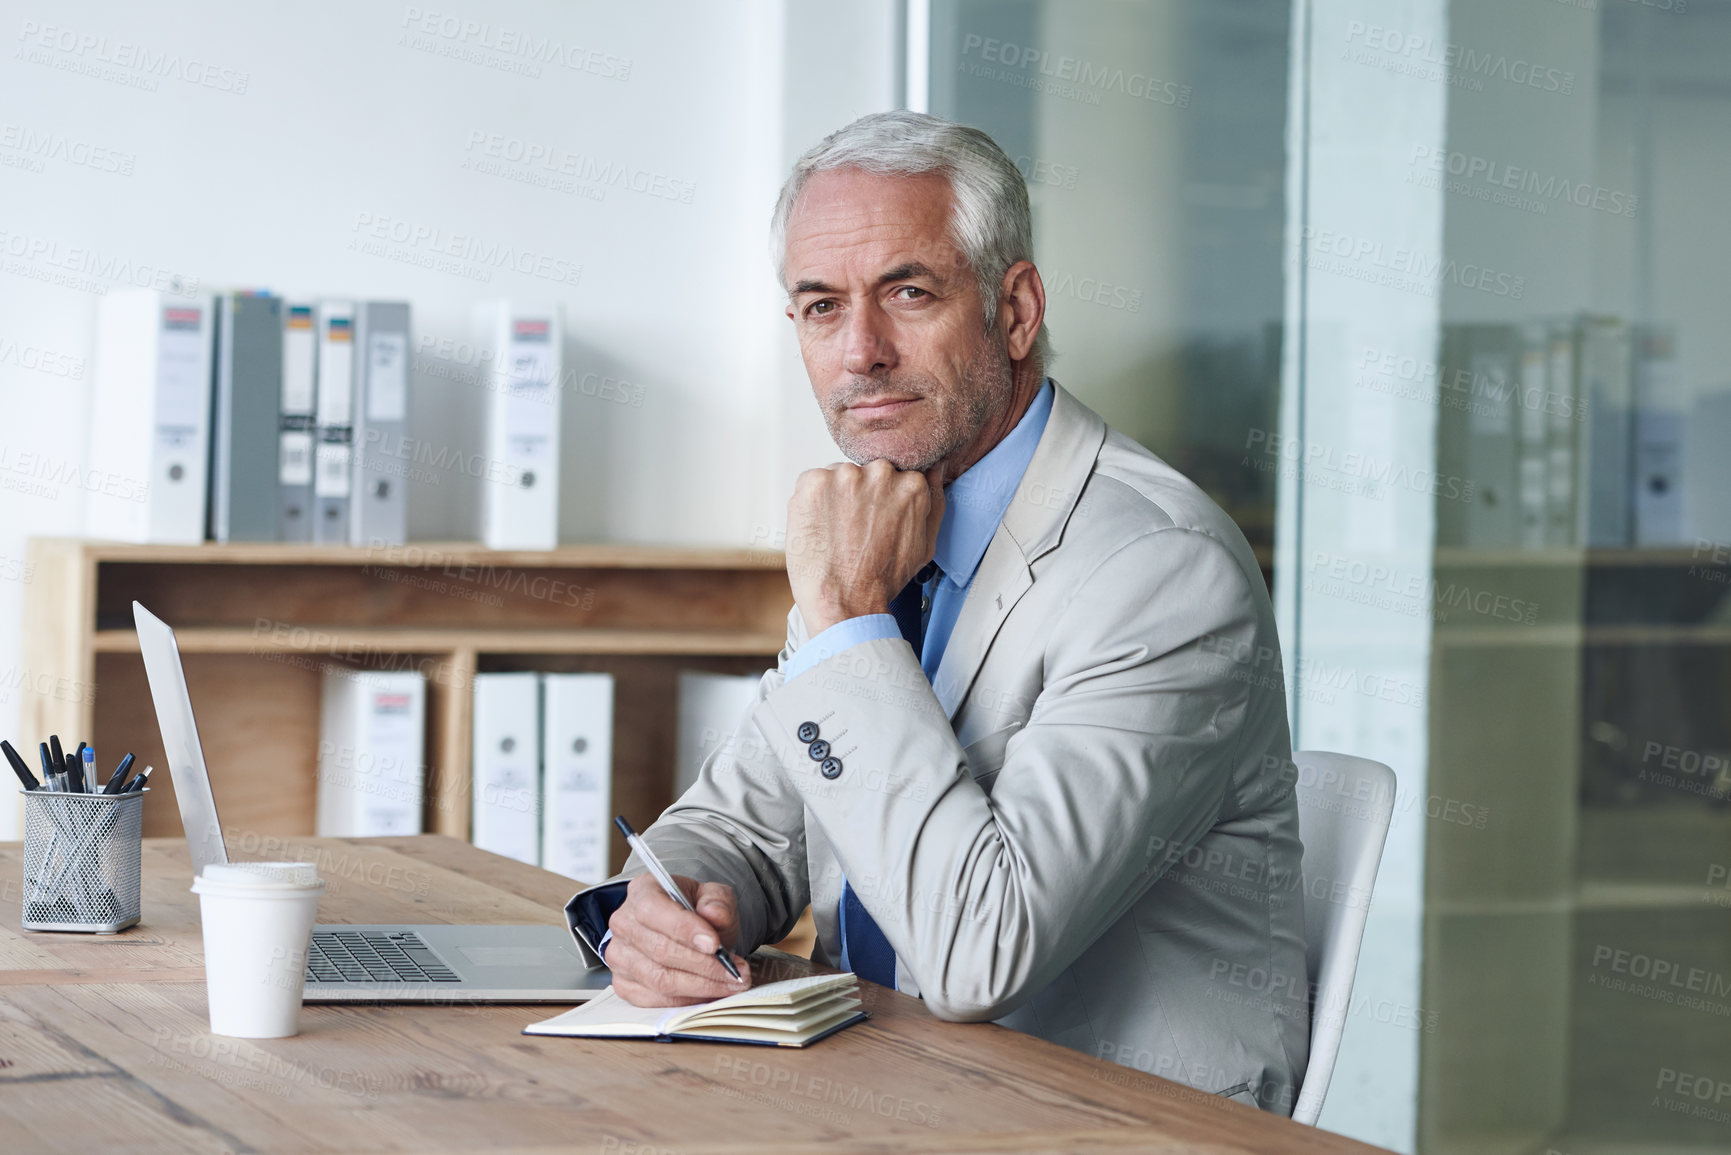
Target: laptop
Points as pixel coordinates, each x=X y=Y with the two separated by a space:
x=373 y=963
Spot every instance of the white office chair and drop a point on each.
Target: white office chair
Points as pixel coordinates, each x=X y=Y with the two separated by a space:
x=1344 y=806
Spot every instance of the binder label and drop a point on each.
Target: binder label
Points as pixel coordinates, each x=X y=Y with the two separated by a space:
x=295 y=459
x=336 y=372
x=332 y=479
x=297 y=361
x=182 y=391
x=387 y=376
x=529 y=431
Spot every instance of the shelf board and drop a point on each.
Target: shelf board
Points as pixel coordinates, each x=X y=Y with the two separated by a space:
x=1590 y=896
x=1594 y=896
x=1462 y=557
x=1566 y=634
x=341 y=639
x=424 y=554
x=1701 y=634
x=1570 y=634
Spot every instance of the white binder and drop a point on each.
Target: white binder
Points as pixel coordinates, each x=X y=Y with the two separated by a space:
x=379 y=511
x=506 y=814
x=334 y=462
x=372 y=773
x=577 y=783
x=295 y=423
x=148 y=473
x=520 y=488
x=711 y=707
x=1660 y=404
x=1562 y=437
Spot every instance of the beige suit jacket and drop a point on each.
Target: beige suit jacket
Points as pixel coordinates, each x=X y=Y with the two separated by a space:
x=1084 y=826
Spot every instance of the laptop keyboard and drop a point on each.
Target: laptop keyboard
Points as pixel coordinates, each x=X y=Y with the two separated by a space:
x=374 y=956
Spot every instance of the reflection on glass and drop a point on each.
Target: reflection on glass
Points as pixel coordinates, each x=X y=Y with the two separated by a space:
x=1508 y=494
x=1578 y=953
x=1151 y=136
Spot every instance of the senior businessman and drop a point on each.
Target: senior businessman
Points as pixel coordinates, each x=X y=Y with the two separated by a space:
x=1025 y=752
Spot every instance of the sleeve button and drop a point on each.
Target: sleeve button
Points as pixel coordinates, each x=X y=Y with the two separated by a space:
x=819 y=750
x=831 y=767
x=808 y=731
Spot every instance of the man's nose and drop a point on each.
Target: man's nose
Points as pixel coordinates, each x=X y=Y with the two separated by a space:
x=869 y=349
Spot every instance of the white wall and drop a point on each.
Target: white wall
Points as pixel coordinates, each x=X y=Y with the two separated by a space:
x=259 y=148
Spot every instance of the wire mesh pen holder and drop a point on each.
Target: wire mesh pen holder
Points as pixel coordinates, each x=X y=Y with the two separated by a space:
x=81 y=860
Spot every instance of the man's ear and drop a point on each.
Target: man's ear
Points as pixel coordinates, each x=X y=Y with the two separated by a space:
x=1021 y=308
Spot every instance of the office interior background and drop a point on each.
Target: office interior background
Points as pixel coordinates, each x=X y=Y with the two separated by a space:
x=1416 y=289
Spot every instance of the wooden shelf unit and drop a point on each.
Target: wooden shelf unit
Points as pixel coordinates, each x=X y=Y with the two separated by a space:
x=257 y=623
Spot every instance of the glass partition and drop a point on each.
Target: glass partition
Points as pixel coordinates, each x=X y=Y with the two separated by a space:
x=1431 y=296
x=1152 y=137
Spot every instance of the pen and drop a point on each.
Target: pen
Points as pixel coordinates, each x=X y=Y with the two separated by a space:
x=138 y=782
x=116 y=782
x=59 y=754
x=74 y=774
x=90 y=770
x=19 y=768
x=667 y=883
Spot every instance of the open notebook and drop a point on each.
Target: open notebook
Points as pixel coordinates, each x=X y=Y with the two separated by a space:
x=790 y=1013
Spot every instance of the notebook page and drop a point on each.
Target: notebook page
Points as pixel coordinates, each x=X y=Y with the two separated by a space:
x=782 y=1038
x=606 y=1014
x=818 y=1012
x=610 y=1015
x=779 y=994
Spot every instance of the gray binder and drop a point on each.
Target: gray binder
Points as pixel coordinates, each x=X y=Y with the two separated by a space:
x=1607 y=384
x=1493 y=513
x=295 y=426
x=243 y=441
x=333 y=479
x=1476 y=435
x=378 y=513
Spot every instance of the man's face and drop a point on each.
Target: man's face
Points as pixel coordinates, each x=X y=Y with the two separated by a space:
x=890 y=320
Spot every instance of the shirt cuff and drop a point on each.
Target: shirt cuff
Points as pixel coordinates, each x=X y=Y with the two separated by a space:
x=845 y=634
x=591 y=910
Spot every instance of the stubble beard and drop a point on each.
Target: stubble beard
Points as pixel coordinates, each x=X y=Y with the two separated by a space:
x=987 y=383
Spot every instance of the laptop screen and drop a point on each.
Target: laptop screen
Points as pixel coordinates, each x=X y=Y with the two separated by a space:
x=180 y=739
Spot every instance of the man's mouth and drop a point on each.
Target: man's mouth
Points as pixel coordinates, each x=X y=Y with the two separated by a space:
x=876 y=408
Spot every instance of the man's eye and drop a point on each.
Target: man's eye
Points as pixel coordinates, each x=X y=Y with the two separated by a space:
x=820 y=308
x=913 y=292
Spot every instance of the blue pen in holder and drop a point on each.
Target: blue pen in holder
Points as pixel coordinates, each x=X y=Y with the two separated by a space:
x=81 y=860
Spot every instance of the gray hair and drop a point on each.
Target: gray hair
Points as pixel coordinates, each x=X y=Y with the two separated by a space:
x=990 y=222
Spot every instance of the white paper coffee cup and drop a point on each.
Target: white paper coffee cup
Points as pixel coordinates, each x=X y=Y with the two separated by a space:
x=258 y=923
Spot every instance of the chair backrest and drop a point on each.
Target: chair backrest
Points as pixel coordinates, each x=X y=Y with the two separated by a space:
x=1344 y=806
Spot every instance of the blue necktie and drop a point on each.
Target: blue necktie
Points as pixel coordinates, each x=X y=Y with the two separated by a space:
x=868 y=951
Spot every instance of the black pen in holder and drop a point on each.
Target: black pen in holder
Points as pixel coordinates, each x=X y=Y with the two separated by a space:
x=81 y=860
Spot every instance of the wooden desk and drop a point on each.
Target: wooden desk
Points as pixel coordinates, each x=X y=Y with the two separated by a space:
x=104 y=1045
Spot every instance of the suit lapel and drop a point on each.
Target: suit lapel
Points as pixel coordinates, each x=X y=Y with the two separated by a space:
x=1031 y=527
x=998 y=585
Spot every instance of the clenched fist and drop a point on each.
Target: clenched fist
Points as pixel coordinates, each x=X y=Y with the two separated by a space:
x=866 y=530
